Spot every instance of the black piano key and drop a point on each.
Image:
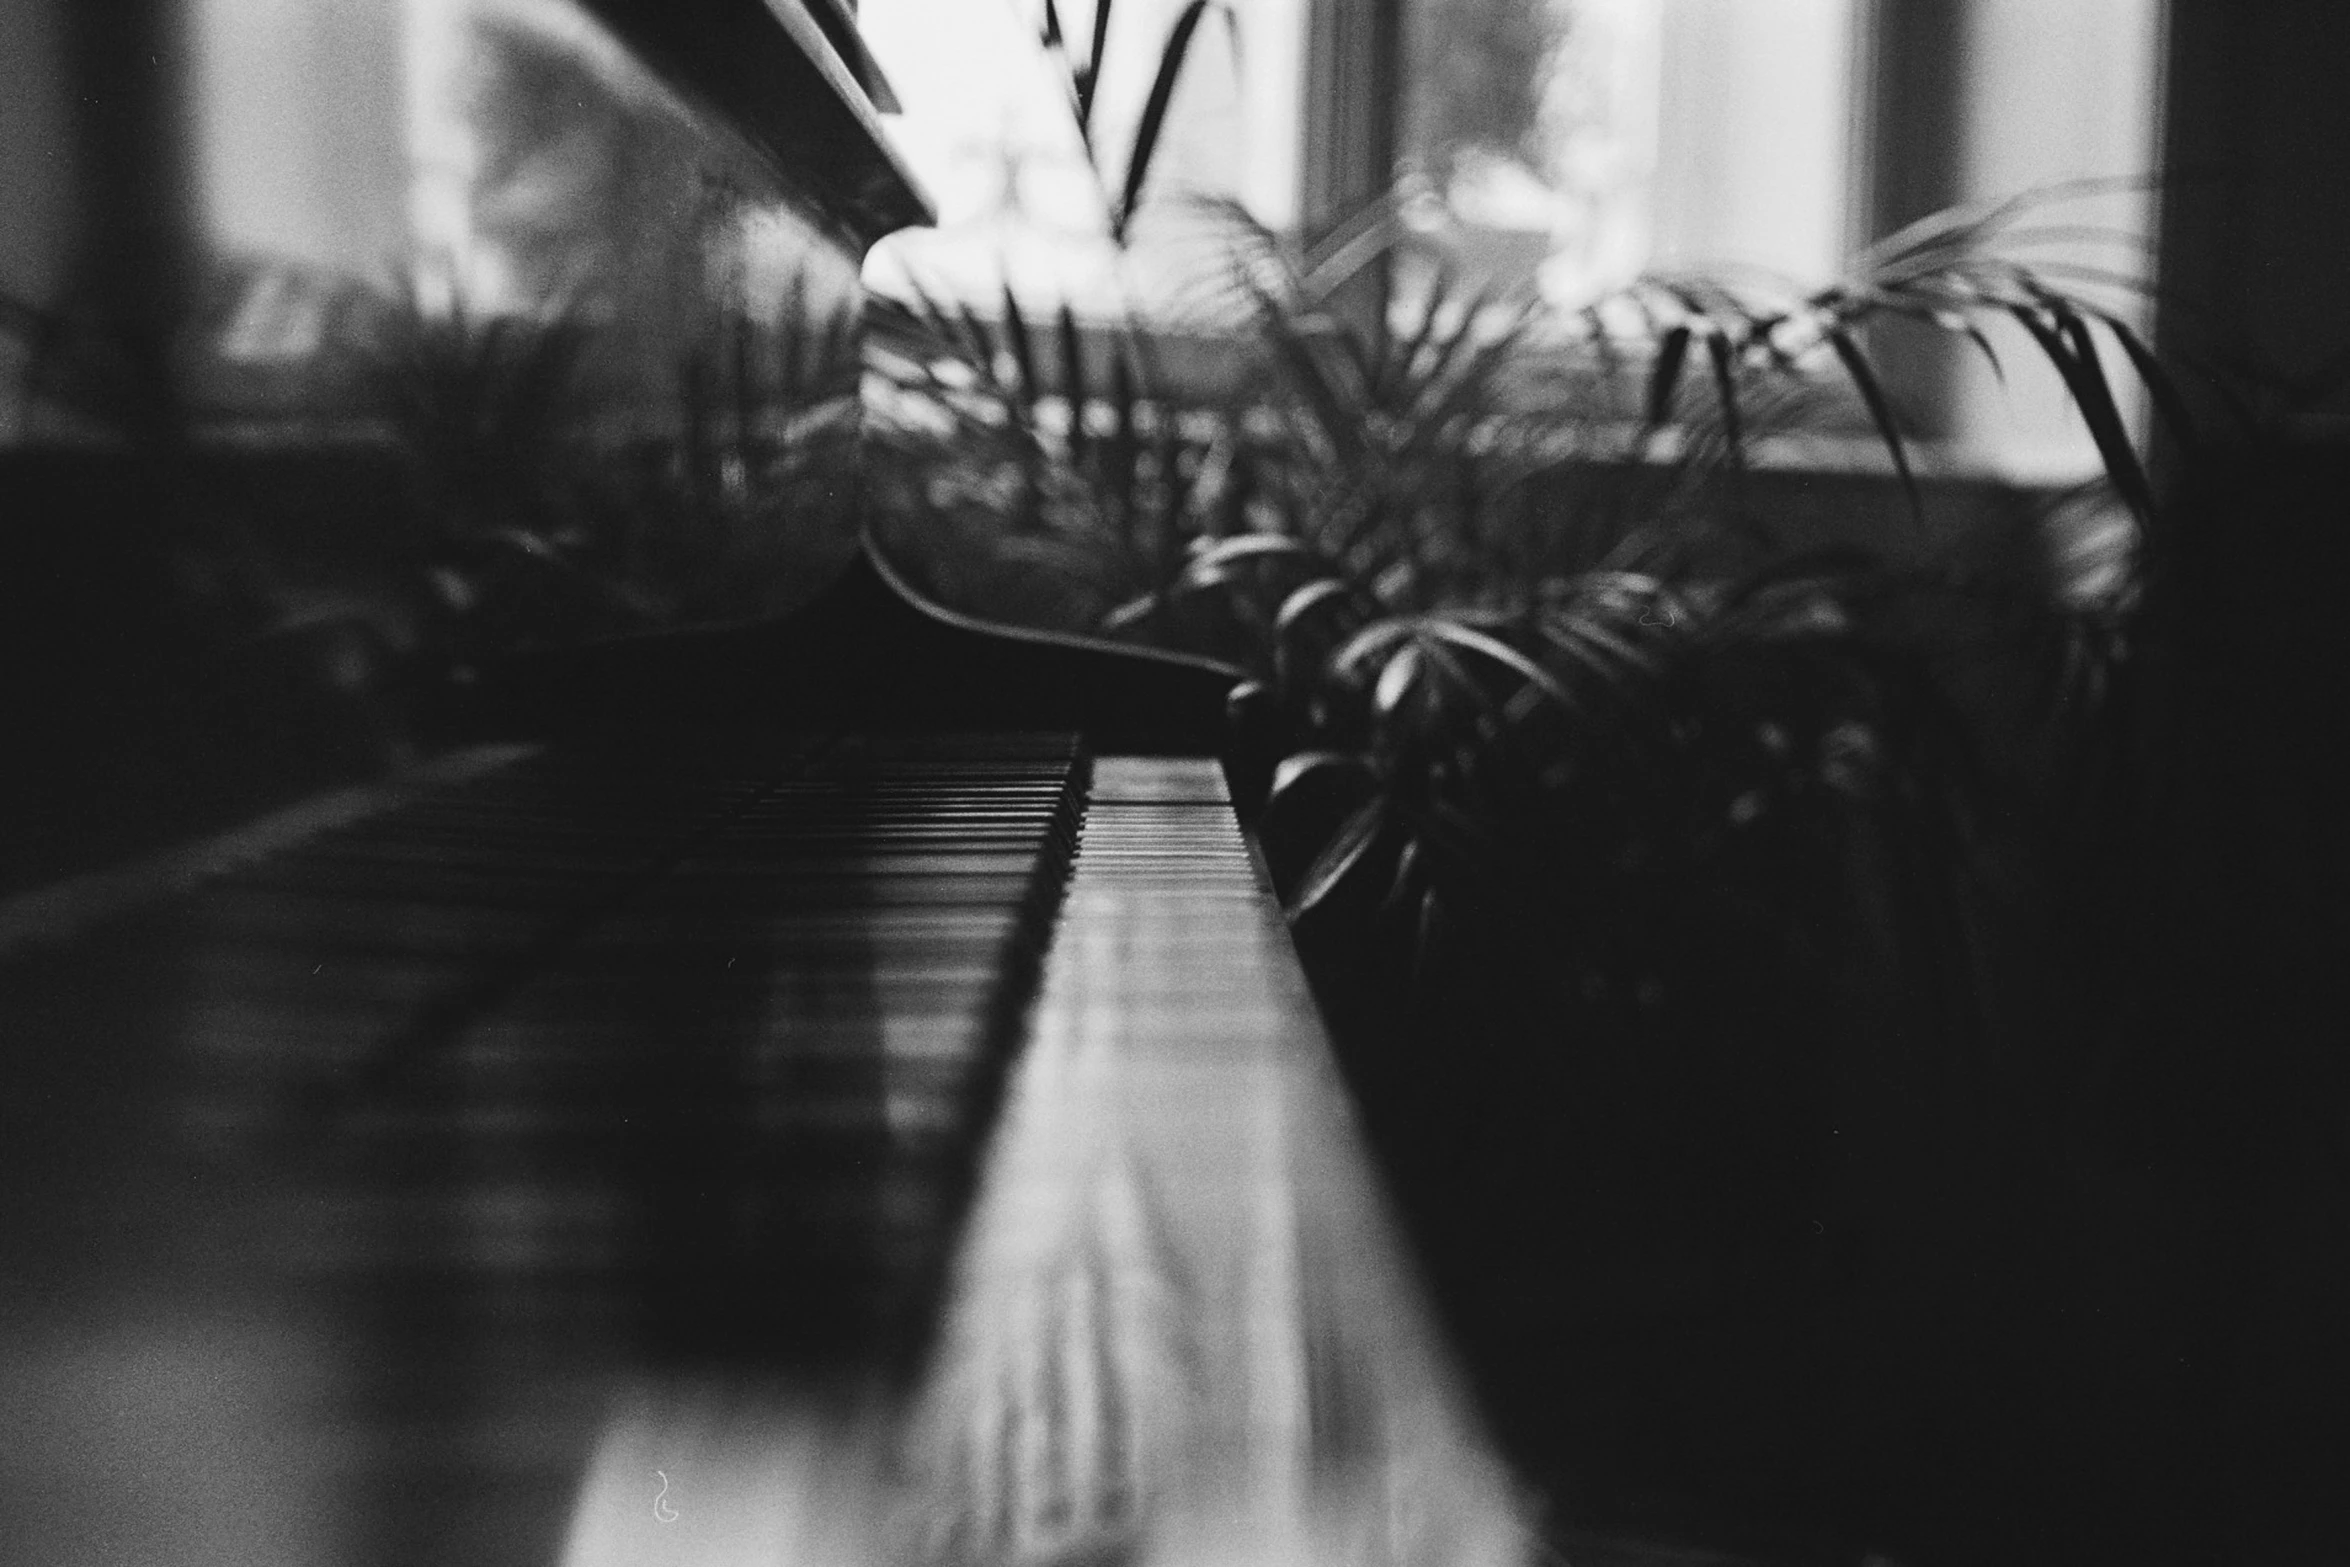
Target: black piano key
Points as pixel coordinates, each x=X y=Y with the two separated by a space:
x=756 y=1067
x=544 y=1075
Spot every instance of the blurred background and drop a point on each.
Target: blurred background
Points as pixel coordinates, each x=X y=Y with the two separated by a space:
x=351 y=350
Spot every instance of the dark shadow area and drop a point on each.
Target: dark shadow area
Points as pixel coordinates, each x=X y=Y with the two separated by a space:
x=161 y=695
x=1803 y=1240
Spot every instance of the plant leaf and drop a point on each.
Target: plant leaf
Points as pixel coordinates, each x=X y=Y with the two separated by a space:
x=1396 y=680
x=1299 y=766
x=1469 y=639
x=1215 y=563
x=1718 y=349
x=1864 y=381
x=2160 y=388
x=1093 y=68
x=1407 y=873
x=1306 y=600
x=1023 y=351
x=2105 y=419
x=1336 y=415
x=1132 y=613
x=1154 y=109
x=1370 y=642
x=1425 y=935
x=1339 y=856
x=1073 y=390
x=1665 y=374
x=2068 y=349
x=1398 y=367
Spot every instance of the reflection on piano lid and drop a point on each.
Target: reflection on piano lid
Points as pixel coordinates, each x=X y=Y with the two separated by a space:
x=789 y=78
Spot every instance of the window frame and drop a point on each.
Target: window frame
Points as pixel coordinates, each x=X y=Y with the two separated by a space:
x=1905 y=159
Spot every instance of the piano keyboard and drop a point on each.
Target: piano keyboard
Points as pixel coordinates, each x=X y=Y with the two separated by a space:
x=925 y=1145
x=579 y=1065
x=1179 y=1327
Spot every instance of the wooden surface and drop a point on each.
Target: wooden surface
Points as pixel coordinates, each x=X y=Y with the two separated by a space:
x=1179 y=1328
x=805 y=1148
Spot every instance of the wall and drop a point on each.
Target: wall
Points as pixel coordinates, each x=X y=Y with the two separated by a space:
x=2054 y=94
x=36 y=163
x=36 y=176
x=1752 y=134
x=2256 y=233
x=299 y=128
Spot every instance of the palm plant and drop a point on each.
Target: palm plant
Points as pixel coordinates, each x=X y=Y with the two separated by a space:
x=1636 y=857
x=1399 y=540
x=1382 y=422
x=1380 y=540
x=1054 y=486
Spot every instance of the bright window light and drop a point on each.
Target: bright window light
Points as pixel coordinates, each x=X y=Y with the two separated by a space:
x=987 y=129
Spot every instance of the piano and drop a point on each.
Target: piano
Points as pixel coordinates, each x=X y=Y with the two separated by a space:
x=837 y=1089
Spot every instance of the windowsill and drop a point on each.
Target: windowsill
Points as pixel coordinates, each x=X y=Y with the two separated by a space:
x=1932 y=461
x=1198 y=367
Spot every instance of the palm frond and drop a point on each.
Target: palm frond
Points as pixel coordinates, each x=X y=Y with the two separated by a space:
x=1864 y=380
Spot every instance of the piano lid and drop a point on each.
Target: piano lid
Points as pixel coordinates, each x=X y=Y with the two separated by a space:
x=791 y=78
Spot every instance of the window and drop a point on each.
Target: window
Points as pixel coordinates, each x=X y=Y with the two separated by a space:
x=986 y=126
x=1570 y=143
x=509 y=150
x=1582 y=141
x=1575 y=143
x=604 y=348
